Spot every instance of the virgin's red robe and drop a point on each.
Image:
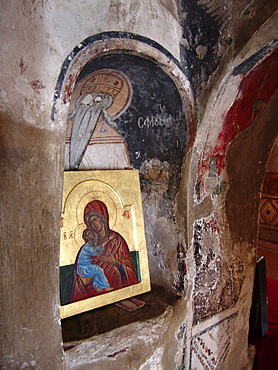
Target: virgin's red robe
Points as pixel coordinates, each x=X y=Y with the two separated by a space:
x=120 y=275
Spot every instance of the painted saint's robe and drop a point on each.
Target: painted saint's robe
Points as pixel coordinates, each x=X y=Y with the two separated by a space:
x=119 y=275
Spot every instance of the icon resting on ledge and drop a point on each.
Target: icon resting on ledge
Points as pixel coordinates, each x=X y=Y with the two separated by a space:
x=103 y=254
x=103 y=263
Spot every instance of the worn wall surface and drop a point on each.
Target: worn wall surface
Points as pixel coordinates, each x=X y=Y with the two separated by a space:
x=268 y=208
x=199 y=129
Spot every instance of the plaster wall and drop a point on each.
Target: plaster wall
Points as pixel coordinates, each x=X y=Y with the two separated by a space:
x=210 y=259
x=221 y=205
x=36 y=38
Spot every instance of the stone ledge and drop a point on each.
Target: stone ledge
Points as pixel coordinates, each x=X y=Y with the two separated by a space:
x=132 y=345
x=110 y=317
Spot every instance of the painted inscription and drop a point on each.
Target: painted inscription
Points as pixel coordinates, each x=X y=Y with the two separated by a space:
x=160 y=119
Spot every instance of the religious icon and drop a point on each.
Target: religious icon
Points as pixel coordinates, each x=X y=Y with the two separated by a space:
x=103 y=262
x=103 y=256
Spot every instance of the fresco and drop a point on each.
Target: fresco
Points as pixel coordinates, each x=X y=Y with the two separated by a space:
x=92 y=141
x=218 y=280
x=210 y=347
x=205 y=37
x=257 y=86
x=129 y=113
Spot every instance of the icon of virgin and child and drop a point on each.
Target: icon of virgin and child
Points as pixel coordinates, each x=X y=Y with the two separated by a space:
x=103 y=263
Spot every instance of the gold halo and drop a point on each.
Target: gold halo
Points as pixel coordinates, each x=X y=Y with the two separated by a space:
x=87 y=198
x=78 y=232
x=80 y=196
x=121 y=100
x=103 y=197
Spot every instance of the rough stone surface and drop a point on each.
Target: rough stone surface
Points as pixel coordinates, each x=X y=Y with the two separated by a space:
x=107 y=318
x=138 y=343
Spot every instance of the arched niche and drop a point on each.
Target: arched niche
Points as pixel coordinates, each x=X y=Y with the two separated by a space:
x=150 y=123
x=126 y=43
x=158 y=122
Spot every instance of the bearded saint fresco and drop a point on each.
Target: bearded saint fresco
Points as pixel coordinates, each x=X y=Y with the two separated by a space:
x=104 y=262
x=92 y=139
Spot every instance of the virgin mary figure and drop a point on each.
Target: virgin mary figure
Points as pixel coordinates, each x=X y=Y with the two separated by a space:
x=104 y=262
